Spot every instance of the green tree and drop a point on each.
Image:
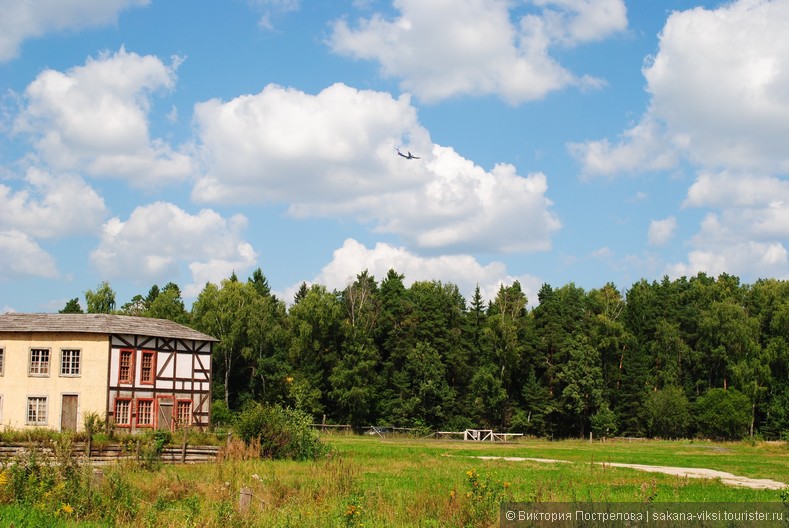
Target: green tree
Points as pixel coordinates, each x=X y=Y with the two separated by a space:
x=727 y=335
x=315 y=326
x=168 y=304
x=667 y=413
x=72 y=307
x=583 y=381
x=427 y=398
x=723 y=414
x=102 y=300
x=136 y=307
x=488 y=397
x=355 y=385
x=669 y=354
x=534 y=416
x=603 y=422
x=505 y=331
x=227 y=312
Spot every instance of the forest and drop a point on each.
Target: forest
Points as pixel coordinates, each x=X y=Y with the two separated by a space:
x=699 y=356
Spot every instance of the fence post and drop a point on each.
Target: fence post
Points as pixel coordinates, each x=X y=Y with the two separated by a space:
x=244 y=499
x=183 y=448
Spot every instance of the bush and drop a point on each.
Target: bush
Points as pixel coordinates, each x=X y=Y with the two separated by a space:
x=667 y=413
x=604 y=422
x=723 y=414
x=282 y=432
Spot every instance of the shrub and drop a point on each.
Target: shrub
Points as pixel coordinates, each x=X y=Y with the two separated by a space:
x=604 y=422
x=667 y=413
x=723 y=414
x=282 y=432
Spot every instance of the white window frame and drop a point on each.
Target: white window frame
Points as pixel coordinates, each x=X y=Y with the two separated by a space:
x=127 y=402
x=73 y=365
x=39 y=371
x=38 y=411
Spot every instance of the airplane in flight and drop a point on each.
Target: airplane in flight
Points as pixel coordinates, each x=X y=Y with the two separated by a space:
x=409 y=156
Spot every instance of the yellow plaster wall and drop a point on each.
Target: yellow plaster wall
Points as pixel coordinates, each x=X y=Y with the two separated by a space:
x=16 y=385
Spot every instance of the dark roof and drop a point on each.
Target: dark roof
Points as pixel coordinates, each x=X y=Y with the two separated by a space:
x=98 y=324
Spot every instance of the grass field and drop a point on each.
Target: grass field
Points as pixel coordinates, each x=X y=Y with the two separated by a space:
x=370 y=481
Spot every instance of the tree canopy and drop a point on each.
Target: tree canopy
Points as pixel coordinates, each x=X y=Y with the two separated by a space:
x=666 y=358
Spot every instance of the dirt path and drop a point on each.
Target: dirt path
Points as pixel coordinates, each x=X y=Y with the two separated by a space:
x=726 y=478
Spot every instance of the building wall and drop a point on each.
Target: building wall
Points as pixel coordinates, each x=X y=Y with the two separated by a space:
x=181 y=376
x=17 y=384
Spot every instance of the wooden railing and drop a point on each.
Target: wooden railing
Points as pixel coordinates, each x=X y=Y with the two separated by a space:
x=104 y=454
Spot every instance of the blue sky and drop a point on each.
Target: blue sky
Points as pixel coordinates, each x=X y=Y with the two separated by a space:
x=144 y=141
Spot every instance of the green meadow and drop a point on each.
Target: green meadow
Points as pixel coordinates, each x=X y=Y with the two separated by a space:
x=372 y=481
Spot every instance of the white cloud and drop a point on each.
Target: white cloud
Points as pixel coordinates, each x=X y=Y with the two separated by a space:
x=746 y=234
x=94 y=118
x=22 y=20
x=160 y=238
x=462 y=270
x=333 y=154
x=751 y=260
x=271 y=8
x=729 y=189
x=661 y=231
x=641 y=148
x=574 y=21
x=743 y=242
x=21 y=256
x=440 y=49
x=720 y=83
x=51 y=206
x=719 y=87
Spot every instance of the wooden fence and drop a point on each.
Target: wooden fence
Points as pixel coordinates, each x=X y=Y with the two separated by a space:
x=104 y=454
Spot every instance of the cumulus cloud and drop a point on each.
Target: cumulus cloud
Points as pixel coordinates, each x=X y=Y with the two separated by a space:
x=21 y=256
x=661 y=231
x=51 y=206
x=730 y=189
x=643 y=147
x=746 y=233
x=462 y=270
x=719 y=101
x=719 y=87
x=440 y=49
x=720 y=83
x=94 y=118
x=333 y=154
x=160 y=238
x=34 y=18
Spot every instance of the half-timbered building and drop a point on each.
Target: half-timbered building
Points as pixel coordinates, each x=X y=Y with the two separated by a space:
x=141 y=373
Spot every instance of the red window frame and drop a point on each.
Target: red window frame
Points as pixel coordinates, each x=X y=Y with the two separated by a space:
x=128 y=402
x=151 y=413
x=126 y=368
x=147 y=373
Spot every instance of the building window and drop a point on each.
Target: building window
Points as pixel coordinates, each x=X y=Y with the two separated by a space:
x=147 y=367
x=39 y=362
x=123 y=412
x=37 y=410
x=2 y=361
x=144 y=413
x=125 y=366
x=184 y=413
x=69 y=362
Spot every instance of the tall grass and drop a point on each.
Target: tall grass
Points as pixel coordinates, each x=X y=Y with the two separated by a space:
x=371 y=482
